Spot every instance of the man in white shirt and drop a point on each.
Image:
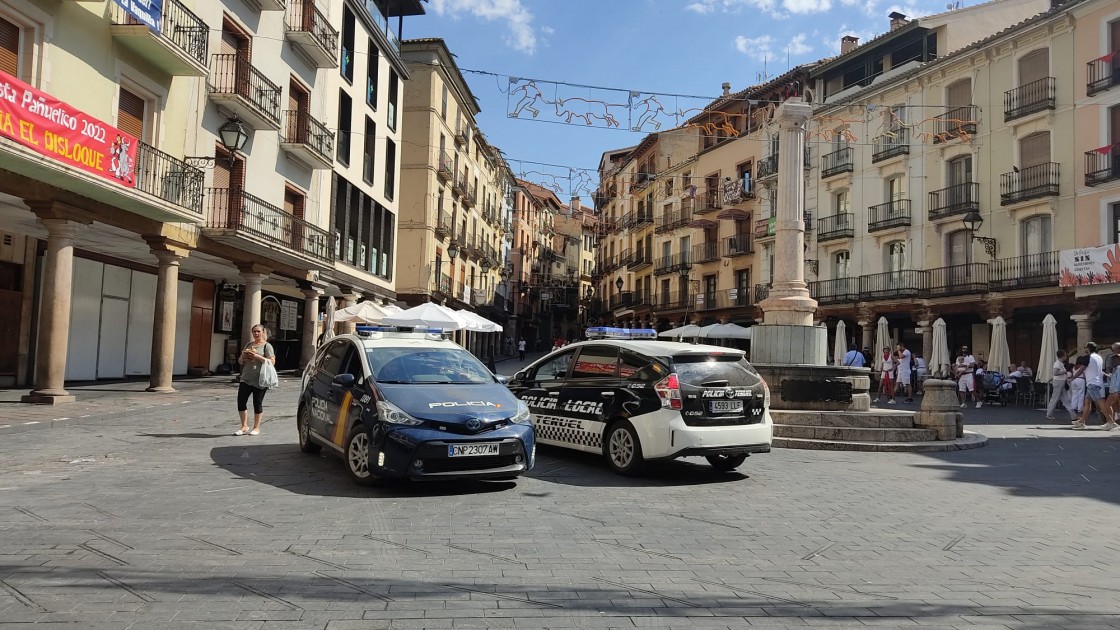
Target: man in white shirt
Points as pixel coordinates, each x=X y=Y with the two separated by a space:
x=965 y=368
x=1094 y=390
x=1059 y=388
x=904 y=371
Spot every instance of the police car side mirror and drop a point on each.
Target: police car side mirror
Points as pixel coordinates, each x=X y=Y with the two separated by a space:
x=345 y=380
x=504 y=380
x=520 y=376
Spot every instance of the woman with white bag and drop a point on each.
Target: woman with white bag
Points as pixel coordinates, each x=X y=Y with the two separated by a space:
x=258 y=374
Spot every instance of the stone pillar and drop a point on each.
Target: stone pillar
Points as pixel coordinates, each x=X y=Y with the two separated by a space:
x=310 y=325
x=940 y=411
x=54 y=319
x=789 y=303
x=166 y=307
x=868 y=332
x=348 y=299
x=1084 y=323
x=925 y=329
x=251 y=307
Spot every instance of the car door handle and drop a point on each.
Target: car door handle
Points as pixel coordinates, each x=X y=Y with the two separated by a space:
x=553 y=393
x=606 y=394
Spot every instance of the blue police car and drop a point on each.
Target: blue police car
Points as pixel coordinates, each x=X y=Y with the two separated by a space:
x=411 y=404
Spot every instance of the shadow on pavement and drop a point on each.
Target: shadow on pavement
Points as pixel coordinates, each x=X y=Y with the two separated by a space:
x=577 y=468
x=285 y=467
x=197 y=436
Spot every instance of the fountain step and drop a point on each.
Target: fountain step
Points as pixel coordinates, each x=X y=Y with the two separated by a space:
x=853 y=434
x=877 y=419
x=970 y=440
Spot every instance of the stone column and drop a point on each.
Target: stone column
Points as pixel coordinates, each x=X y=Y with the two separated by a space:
x=789 y=302
x=310 y=325
x=54 y=319
x=867 y=331
x=251 y=307
x=166 y=307
x=348 y=299
x=1084 y=323
x=925 y=329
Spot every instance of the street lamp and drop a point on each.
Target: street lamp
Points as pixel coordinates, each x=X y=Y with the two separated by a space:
x=972 y=222
x=233 y=135
x=452 y=253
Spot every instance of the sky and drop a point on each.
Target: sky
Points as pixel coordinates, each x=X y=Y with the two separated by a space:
x=542 y=53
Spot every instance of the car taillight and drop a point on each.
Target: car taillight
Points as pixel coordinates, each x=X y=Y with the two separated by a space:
x=669 y=391
x=765 y=394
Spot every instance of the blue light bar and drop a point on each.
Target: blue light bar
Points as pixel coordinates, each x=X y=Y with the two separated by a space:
x=610 y=332
x=373 y=329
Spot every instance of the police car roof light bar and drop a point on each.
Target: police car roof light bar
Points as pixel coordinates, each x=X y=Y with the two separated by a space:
x=610 y=332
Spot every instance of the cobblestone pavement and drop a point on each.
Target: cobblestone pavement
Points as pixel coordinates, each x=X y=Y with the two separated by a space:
x=163 y=519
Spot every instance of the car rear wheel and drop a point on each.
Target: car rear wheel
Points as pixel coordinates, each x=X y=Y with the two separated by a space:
x=303 y=426
x=622 y=448
x=726 y=463
x=357 y=456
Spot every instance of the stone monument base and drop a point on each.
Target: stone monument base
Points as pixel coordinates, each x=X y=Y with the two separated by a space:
x=816 y=387
x=792 y=345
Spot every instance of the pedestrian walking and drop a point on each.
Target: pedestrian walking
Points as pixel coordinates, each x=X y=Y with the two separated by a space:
x=1077 y=387
x=252 y=359
x=1112 y=369
x=521 y=349
x=1093 y=372
x=886 y=382
x=904 y=371
x=1059 y=385
x=964 y=367
x=853 y=358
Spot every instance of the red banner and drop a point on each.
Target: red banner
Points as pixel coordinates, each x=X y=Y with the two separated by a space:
x=52 y=128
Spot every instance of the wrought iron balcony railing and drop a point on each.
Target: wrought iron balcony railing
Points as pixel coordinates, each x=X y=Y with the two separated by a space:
x=954 y=200
x=168 y=178
x=888 y=145
x=737 y=245
x=840 y=161
x=232 y=208
x=888 y=215
x=1103 y=73
x=957 y=122
x=1032 y=182
x=841 y=225
x=1029 y=98
x=1102 y=165
x=233 y=74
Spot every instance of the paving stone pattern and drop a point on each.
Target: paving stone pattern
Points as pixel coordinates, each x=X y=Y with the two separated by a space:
x=164 y=519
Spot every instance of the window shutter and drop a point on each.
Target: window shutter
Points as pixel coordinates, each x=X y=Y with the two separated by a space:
x=960 y=94
x=9 y=47
x=130 y=114
x=1034 y=66
x=1035 y=149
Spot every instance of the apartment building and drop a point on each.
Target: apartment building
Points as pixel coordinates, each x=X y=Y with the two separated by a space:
x=570 y=275
x=175 y=195
x=532 y=258
x=455 y=191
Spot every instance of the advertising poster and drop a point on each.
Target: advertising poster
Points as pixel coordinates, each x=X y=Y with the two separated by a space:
x=146 y=12
x=1089 y=265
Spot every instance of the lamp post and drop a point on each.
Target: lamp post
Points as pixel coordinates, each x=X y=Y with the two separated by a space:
x=233 y=136
x=618 y=284
x=972 y=222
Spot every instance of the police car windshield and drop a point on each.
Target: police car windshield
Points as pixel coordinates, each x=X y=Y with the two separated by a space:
x=426 y=365
x=728 y=369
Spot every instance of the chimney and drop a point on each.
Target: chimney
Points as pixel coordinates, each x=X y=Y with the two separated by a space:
x=848 y=43
x=898 y=20
x=576 y=205
x=726 y=89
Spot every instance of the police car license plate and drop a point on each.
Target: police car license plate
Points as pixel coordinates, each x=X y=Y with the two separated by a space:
x=725 y=406
x=470 y=450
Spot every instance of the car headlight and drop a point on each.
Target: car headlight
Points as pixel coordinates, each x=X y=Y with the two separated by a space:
x=388 y=412
x=522 y=415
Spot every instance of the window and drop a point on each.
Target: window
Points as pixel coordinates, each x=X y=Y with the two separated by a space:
x=1034 y=66
x=1115 y=208
x=369 y=147
x=1035 y=235
x=895 y=256
x=332 y=359
x=631 y=365
x=443 y=104
x=960 y=170
x=596 y=362
x=841 y=265
x=894 y=189
x=391 y=113
x=390 y=168
x=345 y=108
x=959 y=245
x=1034 y=149
x=555 y=369
x=374 y=58
x=744 y=171
x=130 y=113
x=9 y=47
x=840 y=203
x=959 y=94
x=346 y=62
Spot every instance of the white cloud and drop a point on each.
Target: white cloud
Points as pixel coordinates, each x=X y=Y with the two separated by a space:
x=910 y=11
x=758 y=48
x=804 y=7
x=797 y=45
x=521 y=36
x=707 y=6
x=736 y=6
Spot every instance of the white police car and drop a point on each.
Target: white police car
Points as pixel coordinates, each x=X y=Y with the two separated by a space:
x=633 y=398
x=411 y=404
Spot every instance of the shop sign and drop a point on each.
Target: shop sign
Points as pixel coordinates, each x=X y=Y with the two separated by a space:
x=147 y=12
x=1089 y=265
x=288 y=314
x=56 y=130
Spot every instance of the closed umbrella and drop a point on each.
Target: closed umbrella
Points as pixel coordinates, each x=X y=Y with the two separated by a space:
x=840 y=347
x=999 y=355
x=939 y=362
x=427 y=314
x=882 y=340
x=1049 y=354
x=328 y=323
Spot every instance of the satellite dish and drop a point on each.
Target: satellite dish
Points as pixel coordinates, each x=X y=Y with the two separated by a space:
x=949 y=7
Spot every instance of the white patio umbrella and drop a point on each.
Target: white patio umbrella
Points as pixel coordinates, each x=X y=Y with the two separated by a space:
x=391 y=308
x=882 y=340
x=840 y=345
x=725 y=331
x=478 y=323
x=1049 y=353
x=940 y=360
x=690 y=331
x=366 y=312
x=427 y=314
x=999 y=355
x=328 y=322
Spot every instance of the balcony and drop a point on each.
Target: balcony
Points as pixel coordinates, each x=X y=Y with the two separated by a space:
x=180 y=47
x=886 y=146
x=838 y=291
x=671 y=299
x=765 y=228
x=1031 y=182
x=837 y=162
x=707 y=201
x=1102 y=165
x=837 y=226
x=311 y=33
x=638 y=219
x=761 y=292
x=957 y=280
x=442 y=287
x=737 y=245
x=639 y=260
x=1024 y=272
x=235 y=84
x=252 y=225
x=462 y=136
x=168 y=178
x=767 y=167
x=459 y=185
x=469 y=192
x=725 y=298
x=271 y=5
x=705 y=252
x=443 y=227
x=445 y=170
x=905 y=283
x=673 y=264
x=622 y=299
x=307 y=139
x=955 y=123
x=671 y=220
x=954 y=200
x=1103 y=73
x=1032 y=97
x=885 y=216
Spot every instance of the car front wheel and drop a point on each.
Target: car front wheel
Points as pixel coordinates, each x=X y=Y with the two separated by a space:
x=357 y=456
x=303 y=427
x=726 y=463
x=622 y=448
